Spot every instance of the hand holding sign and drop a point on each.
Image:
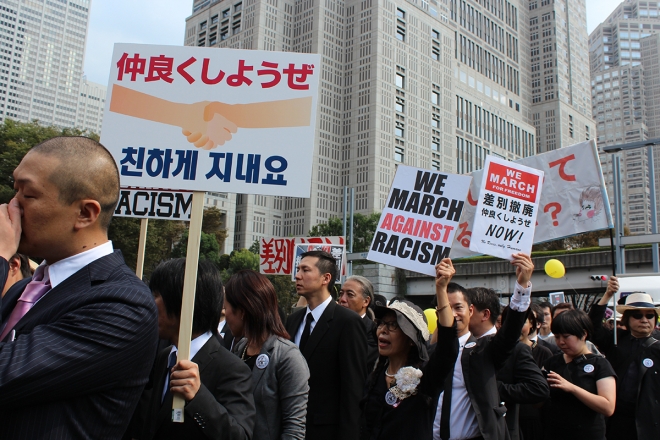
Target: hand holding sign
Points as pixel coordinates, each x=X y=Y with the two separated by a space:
x=524 y=268
x=444 y=271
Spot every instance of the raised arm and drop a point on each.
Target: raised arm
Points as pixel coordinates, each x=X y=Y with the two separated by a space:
x=444 y=271
x=602 y=337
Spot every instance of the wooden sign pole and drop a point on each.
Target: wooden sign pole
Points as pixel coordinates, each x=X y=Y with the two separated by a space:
x=188 y=301
x=142 y=244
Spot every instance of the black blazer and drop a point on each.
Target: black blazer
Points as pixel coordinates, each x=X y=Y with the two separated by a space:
x=223 y=408
x=372 y=345
x=336 y=354
x=480 y=362
x=647 y=416
x=81 y=356
x=520 y=381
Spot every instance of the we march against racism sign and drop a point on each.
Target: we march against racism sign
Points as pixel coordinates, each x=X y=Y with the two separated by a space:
x=574 y=199
x=208 y=119
x=507 y=209
x=417 y=226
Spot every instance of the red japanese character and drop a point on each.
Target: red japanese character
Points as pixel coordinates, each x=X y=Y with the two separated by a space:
x=464 y=237
x=182 y=69
x=239 y=78
x=295 y=81
x=562 y=167
x=272 y=70
x=160 y=67
x=130 y=66
x=205 y=74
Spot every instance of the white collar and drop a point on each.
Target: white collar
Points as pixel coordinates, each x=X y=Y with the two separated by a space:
x=463 y=339
x=63 y=269
x=195 y=345
x=492 y=331
x=318 y=310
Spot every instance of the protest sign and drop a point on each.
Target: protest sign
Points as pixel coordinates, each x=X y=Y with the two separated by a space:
x=191 y=118
x=337 y=251
x=574 y=198
x=506 y=209
x=556 y=298
x=277 y=255
x=417 y=226
x=154 y=204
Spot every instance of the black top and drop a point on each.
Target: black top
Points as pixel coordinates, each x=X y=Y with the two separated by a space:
x=577 y=421
x=412 y=418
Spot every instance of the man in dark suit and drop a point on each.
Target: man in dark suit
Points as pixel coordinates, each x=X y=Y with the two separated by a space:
x=520 y=380
x=78 y=338
x=333 y=341
x=216 y=384
x=357 y=294
x=469 y=406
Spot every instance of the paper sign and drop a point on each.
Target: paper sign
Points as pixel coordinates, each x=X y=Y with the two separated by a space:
x=336 y=250
x=209 y=119
x=277 y=255
x=417 y=226
x=574 y=198
x=154 y=204
x=556 y=298
x=506 y=209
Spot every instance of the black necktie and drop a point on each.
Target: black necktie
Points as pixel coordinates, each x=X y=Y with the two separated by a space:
x=306 y=331
x=446 y=406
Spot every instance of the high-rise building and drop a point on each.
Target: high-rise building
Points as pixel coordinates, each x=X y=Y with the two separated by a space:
x=91 y=104
x=41 y=59
x=437 y=84
x=624 y=99
x=561 y=96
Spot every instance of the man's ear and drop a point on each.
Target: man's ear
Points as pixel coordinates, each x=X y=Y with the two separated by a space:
x=14 y=265
x=327 y=278
x=486 y=315
x=88 y=213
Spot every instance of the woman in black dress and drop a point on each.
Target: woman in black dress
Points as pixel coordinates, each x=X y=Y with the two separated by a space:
x=582 y=384
x=398 y=402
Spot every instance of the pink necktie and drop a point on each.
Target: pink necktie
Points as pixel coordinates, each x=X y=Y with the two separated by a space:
x=33 y=291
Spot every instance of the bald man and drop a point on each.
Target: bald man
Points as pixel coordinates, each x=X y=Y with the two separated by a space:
x=78 y=339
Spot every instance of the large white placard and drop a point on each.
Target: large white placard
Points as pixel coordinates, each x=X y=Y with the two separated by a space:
x=208 y=119
x=507 y=209
x=417 y=227
x=574 y=198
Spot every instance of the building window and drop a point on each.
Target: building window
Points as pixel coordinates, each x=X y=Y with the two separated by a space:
x=435 y=98
x=400 y=13
x=399 y=107
x=435 y=34
x=214 y=19
x=202 y=26
x=398 y=154
x=238 y=7
x=398 y=131
x=225 y=13
x=400 y=81
x=400 y=33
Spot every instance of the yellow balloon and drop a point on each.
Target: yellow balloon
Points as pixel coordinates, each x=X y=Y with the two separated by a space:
x=555 y=268
x=431 y=319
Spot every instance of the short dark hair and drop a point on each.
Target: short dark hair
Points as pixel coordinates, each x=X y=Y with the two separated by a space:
x=87 y=170
x=483 y=298
x=26 y=272
x=325 y=264
x=537 y=316
x=561 y=306
x=572 y=322
x=167 y=281
x=254 y=295
x=530 y=316
x=454 y=287
x=379 y=300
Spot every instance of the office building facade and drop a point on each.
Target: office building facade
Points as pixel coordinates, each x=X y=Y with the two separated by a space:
x=91 y=104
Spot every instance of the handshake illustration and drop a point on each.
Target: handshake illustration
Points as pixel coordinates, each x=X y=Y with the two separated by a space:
x=208 y=124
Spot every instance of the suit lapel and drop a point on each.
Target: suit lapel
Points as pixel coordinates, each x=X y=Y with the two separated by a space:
x=294 y=323
x=319 y=329
x=470 y=345
x=266 y=349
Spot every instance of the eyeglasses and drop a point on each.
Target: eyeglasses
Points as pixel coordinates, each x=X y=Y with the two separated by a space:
x=639 y=315
x=391 y=325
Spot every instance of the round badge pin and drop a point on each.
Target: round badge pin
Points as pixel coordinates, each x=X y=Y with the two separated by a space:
x=588 y=368
x=262 y=361
x=470 y=344
x=648 y=363
x=390 y=398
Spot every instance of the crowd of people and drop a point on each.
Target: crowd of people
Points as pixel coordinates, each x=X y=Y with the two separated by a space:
x=87 y=350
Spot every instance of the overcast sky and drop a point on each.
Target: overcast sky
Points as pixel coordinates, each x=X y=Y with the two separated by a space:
x=164 y=22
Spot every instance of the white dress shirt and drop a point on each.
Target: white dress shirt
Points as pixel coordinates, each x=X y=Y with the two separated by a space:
x=63 y=269
x=195 y=345
x=316 y=313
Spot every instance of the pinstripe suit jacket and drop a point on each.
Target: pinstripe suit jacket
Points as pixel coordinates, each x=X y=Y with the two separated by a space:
x=81 y=356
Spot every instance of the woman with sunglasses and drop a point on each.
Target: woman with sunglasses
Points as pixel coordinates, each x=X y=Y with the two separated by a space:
x=582 y=384
x=398 y=402
x=636 y=361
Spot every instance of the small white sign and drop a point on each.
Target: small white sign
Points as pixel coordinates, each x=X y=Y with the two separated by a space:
x=154 y=204
x=506 y=209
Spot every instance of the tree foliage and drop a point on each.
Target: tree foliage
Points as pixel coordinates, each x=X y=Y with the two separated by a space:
x=364 y=227
x=16 y=139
